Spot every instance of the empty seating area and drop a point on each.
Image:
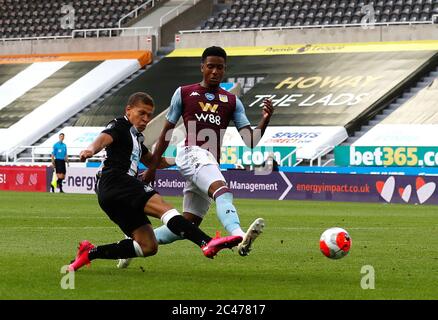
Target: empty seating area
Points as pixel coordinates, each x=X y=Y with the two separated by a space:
x=29 y=18
x=285 y=13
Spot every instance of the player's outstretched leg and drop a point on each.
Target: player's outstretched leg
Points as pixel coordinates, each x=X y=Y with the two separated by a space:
x=163 y=235
x=226 y=212
x=87 y=252
x=254 y=230
x=124 y=263
x=187 y=230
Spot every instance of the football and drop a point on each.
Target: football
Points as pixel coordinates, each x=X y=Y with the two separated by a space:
x=335 y=243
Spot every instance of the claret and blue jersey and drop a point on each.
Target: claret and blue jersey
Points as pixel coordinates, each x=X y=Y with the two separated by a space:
x=205 y=108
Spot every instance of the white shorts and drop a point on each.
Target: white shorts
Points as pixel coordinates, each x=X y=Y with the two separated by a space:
x=200 y=169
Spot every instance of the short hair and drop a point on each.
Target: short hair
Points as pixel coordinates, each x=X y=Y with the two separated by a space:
x=214 y=51
x=62 y=134
x=140 y=97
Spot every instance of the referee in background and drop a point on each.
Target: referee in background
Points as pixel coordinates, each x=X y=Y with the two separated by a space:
x=59 y=159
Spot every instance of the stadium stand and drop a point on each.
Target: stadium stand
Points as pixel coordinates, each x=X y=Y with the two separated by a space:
x=413 y=123
x=45 y=90
x=283 y=13
x=422 y=108
x=54 y=88
x=26 y=18
x=328 y=92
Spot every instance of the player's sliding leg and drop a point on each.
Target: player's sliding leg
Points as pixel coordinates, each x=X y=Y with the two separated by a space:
x=165 y=236
x=124 y=263
x=129 y=248
x=87 y=252
x=195 y=206
x=144 y=242
x=188 y=230
x=184 y=228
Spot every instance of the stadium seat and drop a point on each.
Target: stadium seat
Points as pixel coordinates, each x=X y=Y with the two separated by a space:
x=24 y=17
x=414 y=17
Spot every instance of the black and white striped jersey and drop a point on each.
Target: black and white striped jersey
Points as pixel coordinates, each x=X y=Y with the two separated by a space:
x=125 y=152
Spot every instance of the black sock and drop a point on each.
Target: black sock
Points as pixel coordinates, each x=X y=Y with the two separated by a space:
x=59 y=184
x=187 y=230
x=120 y=250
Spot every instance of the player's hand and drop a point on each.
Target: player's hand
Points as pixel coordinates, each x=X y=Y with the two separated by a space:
x=268 y=108
x=148 y=175
x=85 y=154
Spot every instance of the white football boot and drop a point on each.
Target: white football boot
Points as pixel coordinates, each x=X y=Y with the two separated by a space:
x=255 y=229
x=123 y=263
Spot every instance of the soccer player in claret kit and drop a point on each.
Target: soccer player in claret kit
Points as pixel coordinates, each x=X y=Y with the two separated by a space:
x=127 y=200
x=207 y=110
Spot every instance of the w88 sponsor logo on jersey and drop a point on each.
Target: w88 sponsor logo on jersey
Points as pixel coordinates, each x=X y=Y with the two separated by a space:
x=211 y=118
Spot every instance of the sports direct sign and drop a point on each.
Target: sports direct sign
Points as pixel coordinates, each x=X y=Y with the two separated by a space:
x=309 y=141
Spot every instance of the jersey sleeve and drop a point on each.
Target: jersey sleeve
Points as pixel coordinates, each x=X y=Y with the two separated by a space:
x=239 y=116
x=175 y=109
x=112 y=129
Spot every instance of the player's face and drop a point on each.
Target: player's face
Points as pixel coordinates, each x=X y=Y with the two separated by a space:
x=213 y=70
x=140 y=115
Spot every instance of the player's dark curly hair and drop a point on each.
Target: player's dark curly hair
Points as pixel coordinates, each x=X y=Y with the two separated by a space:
x=214 y=51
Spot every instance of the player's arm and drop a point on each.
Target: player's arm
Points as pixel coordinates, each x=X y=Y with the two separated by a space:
x=252 y=137
x=161 y=146
x=175 y=111
x=102 y=141
x=165 y=162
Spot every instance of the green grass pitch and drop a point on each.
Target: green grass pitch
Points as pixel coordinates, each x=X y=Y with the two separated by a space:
x=40 y=231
